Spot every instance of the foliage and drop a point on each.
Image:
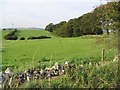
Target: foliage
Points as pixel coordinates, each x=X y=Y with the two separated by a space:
x=109 y=15
x=11 y=35
x=89 y=76
x=4 y=29
x=38 y=37
x=49 y=27
x=103 y=17
x=22 y=38
x=77 y=27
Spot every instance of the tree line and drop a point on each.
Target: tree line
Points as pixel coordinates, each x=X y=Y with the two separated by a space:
x=92 y=23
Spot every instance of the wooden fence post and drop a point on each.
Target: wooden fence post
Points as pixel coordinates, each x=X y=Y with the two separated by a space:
x=102 y=58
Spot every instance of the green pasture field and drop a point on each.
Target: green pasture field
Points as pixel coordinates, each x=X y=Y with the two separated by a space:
x=22 y=54
x=28 y=33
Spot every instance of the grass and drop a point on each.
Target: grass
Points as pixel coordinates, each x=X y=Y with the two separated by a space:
x=24 y=54
x=87 y=77
x=28 y=33
x=27 y=53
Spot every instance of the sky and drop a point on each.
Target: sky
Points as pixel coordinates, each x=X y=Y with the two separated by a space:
x=39 y=13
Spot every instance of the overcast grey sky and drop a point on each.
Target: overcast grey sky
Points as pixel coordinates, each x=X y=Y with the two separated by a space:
x=39 y=13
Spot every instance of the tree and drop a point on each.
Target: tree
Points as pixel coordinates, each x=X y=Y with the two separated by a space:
x=49 y=27
x=98 y=30
x=106 y=15
x=102 y=18
x=64 y=31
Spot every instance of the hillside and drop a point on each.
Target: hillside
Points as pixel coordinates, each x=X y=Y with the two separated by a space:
x=21 y=55
x=28 y=33
x=73 y=54
x=17 y=52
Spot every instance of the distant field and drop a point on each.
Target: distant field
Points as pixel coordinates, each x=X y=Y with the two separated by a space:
x=27 y=53
x=28 y=33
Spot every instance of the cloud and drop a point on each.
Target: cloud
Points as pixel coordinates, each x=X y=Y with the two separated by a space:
x=39 y=13
x=54 y=0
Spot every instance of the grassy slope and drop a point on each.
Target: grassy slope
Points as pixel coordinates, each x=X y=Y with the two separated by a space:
x=27 y=33
x=23 y=53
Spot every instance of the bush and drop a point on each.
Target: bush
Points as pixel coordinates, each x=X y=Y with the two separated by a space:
x=14 y=37
x=38 y=37
x=15 y=30
x=4 y=29
x=10 y=29
x=11 y=35
x=22 y=38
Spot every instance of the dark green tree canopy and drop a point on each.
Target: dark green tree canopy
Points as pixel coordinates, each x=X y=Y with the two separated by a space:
x=102 y=18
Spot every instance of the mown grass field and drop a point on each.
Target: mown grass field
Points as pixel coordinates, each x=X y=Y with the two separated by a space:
x=22 y=54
